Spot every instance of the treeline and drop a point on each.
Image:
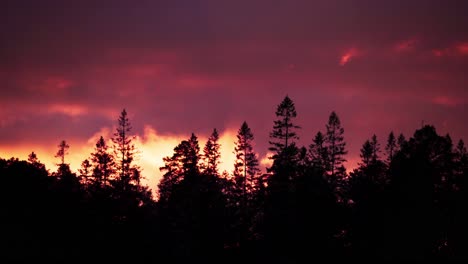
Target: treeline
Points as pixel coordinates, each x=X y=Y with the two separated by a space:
x=407 y=200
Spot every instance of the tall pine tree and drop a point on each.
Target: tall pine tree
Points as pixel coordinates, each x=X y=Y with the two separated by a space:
x=318 y=153
x=246 y=166
x=124 y=153
x=62 y=151
x=391 y=147
x=103 y=164
x=284 y=130
x=211 y=154
x=336 y=146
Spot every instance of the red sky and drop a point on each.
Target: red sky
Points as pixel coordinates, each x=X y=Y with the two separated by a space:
x=67 y=68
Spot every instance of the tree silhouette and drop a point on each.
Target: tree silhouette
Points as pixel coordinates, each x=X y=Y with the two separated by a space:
x=191 y=206
x=34 y=160
x=391 y=147
x=62 y=151
x=318 y=153
x=183 y=163
x=246 y=165
x=211 y=154
x=409 y=205
x=246 y=177
x=336 y=146
x=284 y=130
x=124 y=152
x=366 y=154
x=85 y=171
x=103 y=164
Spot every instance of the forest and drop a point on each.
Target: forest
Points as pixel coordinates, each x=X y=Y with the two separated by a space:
x=406 y=200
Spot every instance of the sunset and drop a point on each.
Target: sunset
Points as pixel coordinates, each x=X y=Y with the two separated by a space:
x=355 y=71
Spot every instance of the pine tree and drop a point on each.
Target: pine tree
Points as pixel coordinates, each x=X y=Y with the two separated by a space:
x=336 y=146
x=366 y=154
x=375 y=149
x=181 y=165
x=246 y=165
x=62 y=151
x=318 y=152
x=212 y=154
x=103 y=163
x=401 y=142
x=124 y=152
x=246 y=174
x=85 y=171
x=391 y=147
x=461 y=155
x=34 y=160
x=461 y=160
x=284 y=130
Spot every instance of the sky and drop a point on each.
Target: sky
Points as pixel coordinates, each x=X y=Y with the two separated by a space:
x=68 y=68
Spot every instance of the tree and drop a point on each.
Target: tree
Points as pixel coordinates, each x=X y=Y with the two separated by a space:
x=419 y=196
x=246 y=174
x=212 y=154
x=366 y=154
x=318 y=152
x=183 y=163
x=246 y=165
x=336 y=146
x=461 y=156
x=401 y=142
x=34 y=160
x=103 y=163
x=391 y=147
x=124 y=151
x=191 y=205
x=62 y=151
x=284 y=130
x=375 y=149
x=85 y=170
x=68 y=181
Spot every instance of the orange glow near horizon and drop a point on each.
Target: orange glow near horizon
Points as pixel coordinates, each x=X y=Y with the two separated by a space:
x=152 y=148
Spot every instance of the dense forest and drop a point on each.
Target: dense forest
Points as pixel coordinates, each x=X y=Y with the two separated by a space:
x=407 y=200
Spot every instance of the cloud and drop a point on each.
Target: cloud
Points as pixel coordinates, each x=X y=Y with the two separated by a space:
x=462 y=48
x=265 y=161
x=455 y=50
x=405 y=45
x=70 y=110
x=348 y=55
x=446 y=101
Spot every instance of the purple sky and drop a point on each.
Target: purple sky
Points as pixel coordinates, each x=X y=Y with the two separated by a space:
x=67 y=68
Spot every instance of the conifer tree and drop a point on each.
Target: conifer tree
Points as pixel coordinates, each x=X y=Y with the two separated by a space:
x=366 y=154
x=375 y=149
x=181 y=165
x=391 y=147
x=85 y=171
x=246 y=165
x=211 y=154
x=34 y=160
x=124 y=153
x=62 y=151
x=318 y=152
x=336 y=146
x=103 y=163
x=284 y=130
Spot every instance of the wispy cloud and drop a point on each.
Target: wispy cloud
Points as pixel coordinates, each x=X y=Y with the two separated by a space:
x=348 y=55
x=405 y=45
